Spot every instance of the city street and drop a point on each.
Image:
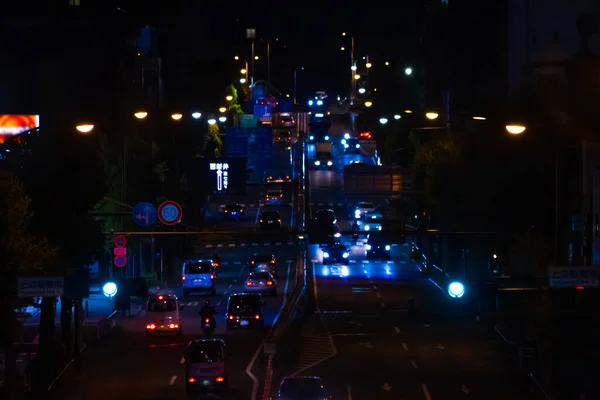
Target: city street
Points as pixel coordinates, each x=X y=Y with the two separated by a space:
x=131 y=365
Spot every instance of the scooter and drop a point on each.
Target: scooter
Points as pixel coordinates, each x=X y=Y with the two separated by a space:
x=208 y=327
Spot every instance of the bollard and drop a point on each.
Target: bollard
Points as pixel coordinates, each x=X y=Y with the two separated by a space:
x=87 y=308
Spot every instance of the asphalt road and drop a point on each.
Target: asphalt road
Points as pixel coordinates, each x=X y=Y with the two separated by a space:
x=135 y=367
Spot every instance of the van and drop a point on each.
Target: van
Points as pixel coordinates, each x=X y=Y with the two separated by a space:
x=163 y=315
x=198 y=276
x=205 y=366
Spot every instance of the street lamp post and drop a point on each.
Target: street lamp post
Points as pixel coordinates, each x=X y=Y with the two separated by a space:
x=353 y=81
x=269 y=61
x=252 y=75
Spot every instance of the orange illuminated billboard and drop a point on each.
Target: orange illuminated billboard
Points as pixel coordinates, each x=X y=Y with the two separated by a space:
x=14 y=124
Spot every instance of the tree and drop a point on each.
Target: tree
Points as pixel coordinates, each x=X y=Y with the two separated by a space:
x=213 y=146
x=21 y=254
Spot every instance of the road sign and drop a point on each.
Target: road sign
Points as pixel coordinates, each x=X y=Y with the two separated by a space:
x=120 y=251
x=170 y=212
x=263 y=112
x=572 y=277
x=120 y=241
x=41 y=286
x=120 y=261
x=144 y=214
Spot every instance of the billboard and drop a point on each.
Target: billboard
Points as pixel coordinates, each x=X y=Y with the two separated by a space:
x=255 y=144
x=14 y=124
x=225 y=175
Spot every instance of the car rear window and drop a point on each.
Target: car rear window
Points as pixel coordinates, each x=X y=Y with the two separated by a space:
x=263 y=258
x=270 y=215
x=260 y=275
x=205 y=353
x=195 y=268
x=302 y=389
x=273 y=194
x=365 y=205
x=244 y=304
x=168 y=305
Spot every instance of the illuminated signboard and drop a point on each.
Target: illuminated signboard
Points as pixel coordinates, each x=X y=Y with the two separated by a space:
x=222 y=175
x=13 y=124
x=226 y=175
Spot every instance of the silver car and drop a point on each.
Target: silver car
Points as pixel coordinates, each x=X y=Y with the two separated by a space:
x=261 y=282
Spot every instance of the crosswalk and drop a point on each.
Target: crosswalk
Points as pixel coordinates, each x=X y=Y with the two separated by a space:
x=317 y=345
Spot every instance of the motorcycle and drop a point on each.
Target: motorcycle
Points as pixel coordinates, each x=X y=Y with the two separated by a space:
x=208 y=327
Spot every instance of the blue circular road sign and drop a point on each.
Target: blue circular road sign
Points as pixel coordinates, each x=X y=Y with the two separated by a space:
x=169 y=213
x=120 y=261
x=144 y=214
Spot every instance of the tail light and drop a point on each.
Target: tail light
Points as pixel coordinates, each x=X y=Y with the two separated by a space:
x=226 y=211
x=249 y=283
x=212 y=276
x=273 y=261
x=220 y=379
x=191 y=380
x=160 y=297
x=183 y=278
x=151 y=326
x=252 y=262
x=279 y=220
x=281 y=195
x=257 y=316
x=269 y=283
x=273 y=271
x=173 y=326
x=207 y=320
x=216 y=264
x=232 y=317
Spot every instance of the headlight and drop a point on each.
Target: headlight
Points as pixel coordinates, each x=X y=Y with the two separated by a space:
x=319 y=102
x=346 y=136
x=345 y=255
x=317 y=162
x=367 y=227
x=345 y=271
x=346 y=146
x=357 y=213
x=330 y=163
x=357 y=146
x=379 y=227
x=326 y=137
x=337 y=235
x=311 y=137
x=387 y=247
x=343 y=141
x=368 y=247
x=325 y=254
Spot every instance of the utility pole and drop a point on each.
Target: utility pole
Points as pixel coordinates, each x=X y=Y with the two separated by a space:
x=295 y=84
x=252 y=75
x=353 y=81
x=269 y=61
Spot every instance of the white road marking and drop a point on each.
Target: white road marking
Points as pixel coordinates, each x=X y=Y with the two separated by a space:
x=256 y=221
x=426 y=326
x=235 y=281
x=375 y=287
x=378 y=295
x=349 y=391
x=464 y=389
x=182 y=361
x=285 y=292
x=231 y=244
x=441 y=347
x=404 y=346
x=230 y=285
x=173 y=379
x=220 y=245
x=397 y=329
x=382 y=304
x=426 y=392
x=413 y=363
x=208 y=246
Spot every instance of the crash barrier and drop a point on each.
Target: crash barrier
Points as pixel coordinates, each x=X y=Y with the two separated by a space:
x=523 y=356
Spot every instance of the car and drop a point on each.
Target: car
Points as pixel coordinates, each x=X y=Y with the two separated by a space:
x=365 y=135
x=205 y=366
x=326 y=216
x=323 y=160
x=370 y=221
x=278 y=179
x=273 y=197
x=287 y=120
x=198 y=276
x=284 y=137
x=378 y=246
x=335 y=253
x=270 y=220
x=263 y=262
x=260 y=282
x=244 y=310
x=234 y=212
x=351 y=146
x=362 y=208
x=302 y=388
x=163 y=315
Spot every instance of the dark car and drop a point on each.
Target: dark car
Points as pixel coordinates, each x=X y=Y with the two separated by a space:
x=379 y=245
x=326 y=217
x=335 y=253
x=302 y=388
x=234 y=211
x=263 y=262
x=270 y=220
x=352 y=146
x=205 y=366
x=244 y=310
x=283 y=137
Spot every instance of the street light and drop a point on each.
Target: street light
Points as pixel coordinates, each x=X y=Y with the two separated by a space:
x=408 y=71
x=383 y=121
x=387 y=63
x=343 y=33
x=196 y=115
x=368 y=104
x=479 y=118
x=236 y=58
x=362 y=90
x=354 y=68
x=222 y=119
x=397 y=116
x=356 y=77
x=243 y=71
x=368 y=65
x=229 y=97
x=140 y=114
x=515 y=129
x=85 y=128
x=222 y=109
x=242 y=80
x=176 y=116
x=408 y=111
x=432 y=115
x=342 y=48
x=456 y=290
x=256 y=57
x=212 y=121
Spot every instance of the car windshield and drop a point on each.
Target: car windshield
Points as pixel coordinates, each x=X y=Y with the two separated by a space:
x=337 y=247
x=321 y=154
x=205 y=353
x=260 y=275
x=302 y=389
x=233 y=207
x=273 y=194
x=195 y=268
x=263 y=258
x=244 y=304
x=325 y=216
x=156 y=305
x=270 y=215
x=366 y=205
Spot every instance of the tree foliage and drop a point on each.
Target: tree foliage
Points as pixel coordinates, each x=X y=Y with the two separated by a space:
x=21 y=254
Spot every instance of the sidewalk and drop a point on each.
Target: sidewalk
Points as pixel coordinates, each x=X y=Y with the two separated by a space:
x=98 y=306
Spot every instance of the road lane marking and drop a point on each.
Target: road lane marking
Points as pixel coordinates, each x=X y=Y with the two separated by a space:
x=256 y=220
x=173 y=379
x=349 y=391
x=219 y=245
x=426 y=391
x=440 y=346
x=230 y=285
x=182 y=361
x=464 y=389
x=231 y=244
x=255 y=383
x=382 y=304
x=218 y=303
x=235 y=281
x=315 y=289
x=375 y=287
x=397 y=329
x=413 y=363
x=378 y=295
x=404 y=346
x=285 y=292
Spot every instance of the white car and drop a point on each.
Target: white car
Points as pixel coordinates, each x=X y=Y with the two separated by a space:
x=163 y=315
x=371 y=221
x=362 y=208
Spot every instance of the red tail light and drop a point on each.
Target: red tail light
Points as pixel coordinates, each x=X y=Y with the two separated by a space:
x=160 y=297
x=226 y=211
x=191 y=380
x=183 y=278
x=212 y=276
x=231 y=317
x=257 y=316
x=207 y=320
x=151 y=326
x=269 y=283
x=249 y=283
x=579 y=287
x=173 y=326
x=220 y=379
x=272 y=261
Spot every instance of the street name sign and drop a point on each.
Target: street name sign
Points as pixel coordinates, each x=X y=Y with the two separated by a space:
x=573 y=276
x=45 y=286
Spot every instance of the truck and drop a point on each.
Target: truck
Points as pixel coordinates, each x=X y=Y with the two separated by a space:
x=324 y=155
